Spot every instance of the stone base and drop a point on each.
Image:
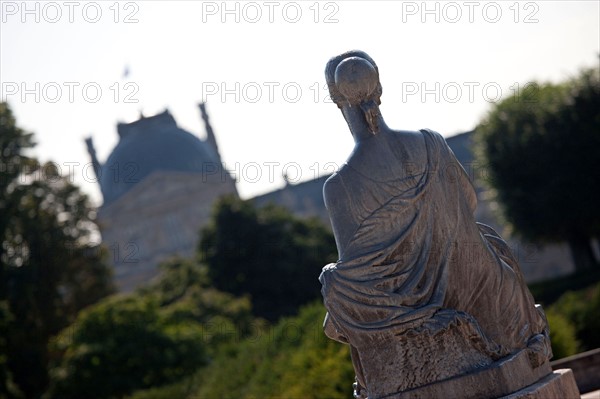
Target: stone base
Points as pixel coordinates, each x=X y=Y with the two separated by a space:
x=448 y=345
x=506 y=376
x=558 y=385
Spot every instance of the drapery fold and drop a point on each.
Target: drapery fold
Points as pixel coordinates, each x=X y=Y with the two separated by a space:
x=419 y=250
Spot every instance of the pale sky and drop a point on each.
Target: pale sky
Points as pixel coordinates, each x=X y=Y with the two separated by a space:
x=259 y=65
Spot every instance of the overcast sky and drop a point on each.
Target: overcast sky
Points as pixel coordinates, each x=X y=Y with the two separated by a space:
x=74 y=69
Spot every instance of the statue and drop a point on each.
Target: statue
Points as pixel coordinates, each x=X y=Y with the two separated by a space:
x=421 y=292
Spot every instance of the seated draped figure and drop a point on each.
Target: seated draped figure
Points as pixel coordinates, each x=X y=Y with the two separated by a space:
x=421 y=291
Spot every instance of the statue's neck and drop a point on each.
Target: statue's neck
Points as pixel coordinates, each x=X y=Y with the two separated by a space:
x=357 y=123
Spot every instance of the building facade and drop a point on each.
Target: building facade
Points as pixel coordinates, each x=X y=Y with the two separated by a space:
x=158 y=186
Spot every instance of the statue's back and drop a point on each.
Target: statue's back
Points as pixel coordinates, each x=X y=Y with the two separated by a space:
x=428 y=299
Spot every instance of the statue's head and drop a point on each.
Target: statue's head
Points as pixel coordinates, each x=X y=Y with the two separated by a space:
x=353 y=79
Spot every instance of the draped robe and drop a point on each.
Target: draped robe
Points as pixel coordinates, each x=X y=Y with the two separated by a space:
x=409 y=246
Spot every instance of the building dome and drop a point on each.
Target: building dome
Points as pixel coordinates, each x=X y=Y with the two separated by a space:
x=153 y=144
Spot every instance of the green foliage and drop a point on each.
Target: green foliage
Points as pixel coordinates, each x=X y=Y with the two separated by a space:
x=294 y=359
x=49 y=269
x=266 y=253
x=182 y=389
x=8 y=387
x=549 y=291
x=541 y=148
x=562 y=335
x=154 y=337
x=574 y=321
x=124 y=344
x=582 y=309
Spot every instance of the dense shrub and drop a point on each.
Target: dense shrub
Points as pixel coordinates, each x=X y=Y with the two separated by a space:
x=562 y=335
x=582 y=310
x=294 y=359
x=151 y=338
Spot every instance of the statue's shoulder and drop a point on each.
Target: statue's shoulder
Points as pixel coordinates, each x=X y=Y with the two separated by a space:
x=438 y=141
x=334 y=188
x=412 y=140
x=433 y=136
x=430 y=132
x=436 y=144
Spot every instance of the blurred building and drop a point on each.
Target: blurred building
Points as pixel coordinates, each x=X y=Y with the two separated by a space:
x=158 y=185
x=160 y=182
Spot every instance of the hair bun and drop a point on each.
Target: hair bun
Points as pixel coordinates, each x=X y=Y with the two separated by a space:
x=356 y=79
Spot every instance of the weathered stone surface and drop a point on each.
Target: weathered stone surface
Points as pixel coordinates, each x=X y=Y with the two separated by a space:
x=415 y=356
x=503 y=377
x=421 y=292
x=585 y=367
x=558 y=385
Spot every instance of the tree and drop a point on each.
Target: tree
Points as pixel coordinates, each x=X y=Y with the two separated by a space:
x=266 y=253
x=156 y=336
x=294 y=359
x=123 y=344
x=541 y=147
x=49 y=269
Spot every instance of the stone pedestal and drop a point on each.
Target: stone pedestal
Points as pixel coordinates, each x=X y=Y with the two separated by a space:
x=509 y=378
x=446 y=346
x=558 y=385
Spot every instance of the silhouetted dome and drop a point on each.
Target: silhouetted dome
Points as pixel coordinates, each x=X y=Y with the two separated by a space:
x=149 y=145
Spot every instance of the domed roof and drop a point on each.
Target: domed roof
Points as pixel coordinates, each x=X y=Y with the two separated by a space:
x=149 y=145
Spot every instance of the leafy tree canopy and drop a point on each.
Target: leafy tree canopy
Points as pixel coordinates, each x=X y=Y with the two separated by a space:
x=49 y=269
x=266 y=253
x=541 y=146
x=293 y=359
x=155 y=336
